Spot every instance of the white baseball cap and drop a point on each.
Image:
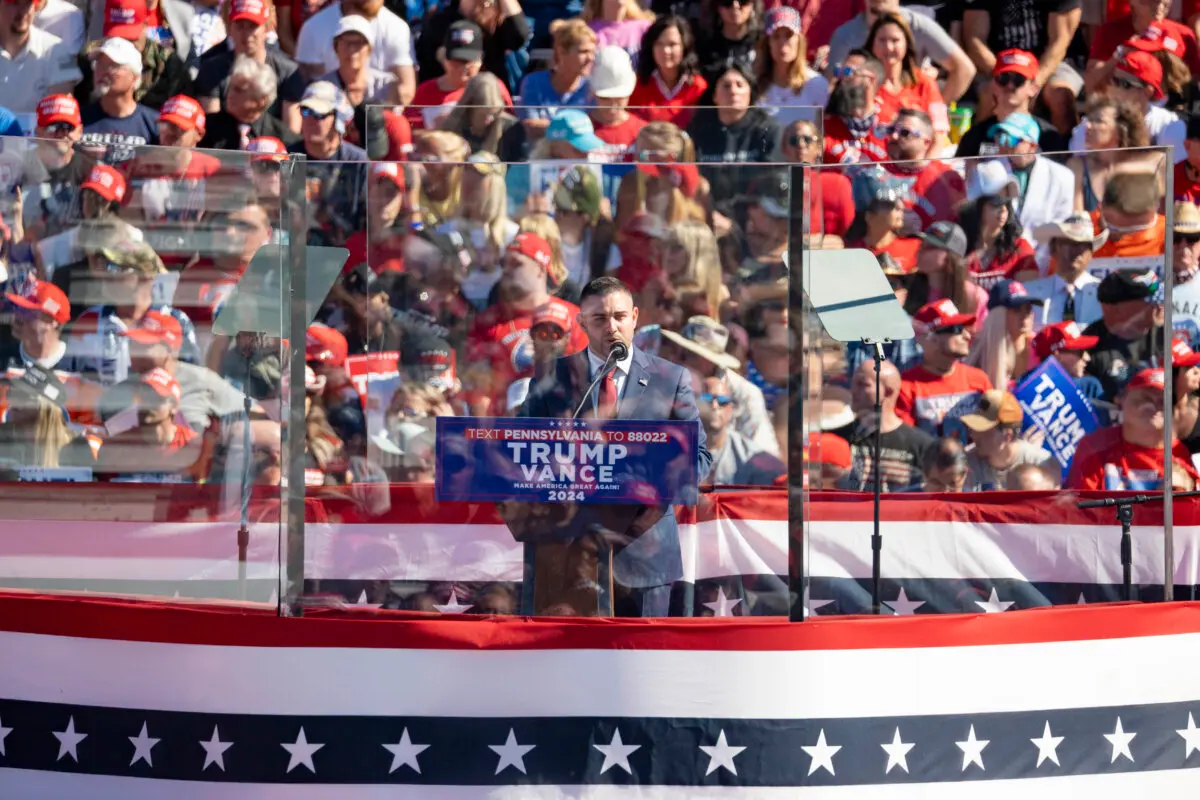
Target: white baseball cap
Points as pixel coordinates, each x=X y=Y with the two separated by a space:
x=353 y=23
x=989 y=179
x=123 y=53
x=612 y=74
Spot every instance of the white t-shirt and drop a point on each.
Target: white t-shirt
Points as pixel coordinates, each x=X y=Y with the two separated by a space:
x=579 y=267
x=1165 y=128
x=788 y=106
x=393 y=41
x=64 y=20
x=26 y=78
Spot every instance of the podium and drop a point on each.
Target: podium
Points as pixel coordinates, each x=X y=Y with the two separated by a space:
x=575 y=492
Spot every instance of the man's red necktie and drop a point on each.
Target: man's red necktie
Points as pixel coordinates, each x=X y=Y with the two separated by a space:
x=606 y=407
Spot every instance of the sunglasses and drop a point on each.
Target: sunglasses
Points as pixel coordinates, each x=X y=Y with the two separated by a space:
x=308 y=113
x=843 y=71
x=1010 y=80
x=952 y=330
x=1187 y=239
x=795 y=140
x=721 y=399
x=548 y=333
x=1004 y=139
x=59 y=128
x=732 y=3
x=1126 y=83
x=904 y=133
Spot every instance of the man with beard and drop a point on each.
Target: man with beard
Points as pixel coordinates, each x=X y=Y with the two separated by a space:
x=935 y=189
x=1013 y=88
x=936 y=394
x=1045 y=190
x=35 y=63
x=1131 y=456
x=162 y=72
x=1130 y=329
x=117 y=122
x=851 y=116
x=1185 y=291
x=500 y=336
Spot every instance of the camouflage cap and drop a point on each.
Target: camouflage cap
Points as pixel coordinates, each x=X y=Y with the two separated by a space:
x=138 y=256
x=579 y=191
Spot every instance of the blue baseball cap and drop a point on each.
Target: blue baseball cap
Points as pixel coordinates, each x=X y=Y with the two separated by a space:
x=574 y=128
x=1021 y=126
x=1010 y=294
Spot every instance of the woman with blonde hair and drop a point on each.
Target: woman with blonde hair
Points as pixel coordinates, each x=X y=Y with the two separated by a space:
x=481 y=116
x=666 y=183
x=1003 y=346
x=904 y=85
x=441 y=155
x=690 y=257
x=622 y=23
x=556 y=274
x=565 y=84
x=34 y=433
x=482 y=217
x=785 y=82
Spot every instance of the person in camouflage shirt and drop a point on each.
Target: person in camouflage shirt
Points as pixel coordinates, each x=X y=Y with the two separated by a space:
x=164 y=75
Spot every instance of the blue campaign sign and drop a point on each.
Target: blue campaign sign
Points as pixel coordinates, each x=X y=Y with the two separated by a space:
x=562 y=460
x=1054 y=405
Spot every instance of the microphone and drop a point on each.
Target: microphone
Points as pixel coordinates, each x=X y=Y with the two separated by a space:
x=619 y=351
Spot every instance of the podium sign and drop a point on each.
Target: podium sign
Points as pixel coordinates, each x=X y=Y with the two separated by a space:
x=631 y=462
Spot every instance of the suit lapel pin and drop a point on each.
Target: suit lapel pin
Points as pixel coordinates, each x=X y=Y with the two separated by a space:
x=643 y=382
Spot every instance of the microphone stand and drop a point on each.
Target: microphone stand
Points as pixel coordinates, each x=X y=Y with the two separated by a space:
x=1124 y=507
x=876 y=449
x=618 y=352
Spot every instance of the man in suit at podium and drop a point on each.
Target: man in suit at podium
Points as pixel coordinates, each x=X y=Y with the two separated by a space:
x=645 y=557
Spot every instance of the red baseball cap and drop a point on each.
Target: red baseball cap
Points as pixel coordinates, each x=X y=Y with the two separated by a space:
x=47 y=298
x=162 y=383
x=1182 y=354
x=58 y=108
x=157 y=327
x=532 y=246
x=125 y=19
x=390 y=170
x=267 y=148
x=325 y=344
x=1148 y=379
x=1154 y=39
x=942 y=314
x=106 y=182
x=183 y=112
x=829 y=448
x=553 y=314
x=255 y=11
x=1021 y=62
x=1061 y=336
x=1144 y=67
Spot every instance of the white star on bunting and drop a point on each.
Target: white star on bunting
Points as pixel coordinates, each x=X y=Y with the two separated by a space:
x=301 y=753
x=4 y=732
x=452 y=606
x=1047 y=746
x=616 y=753
x=722 y=606
x=721 y=754
x=821 y=753
x=142 y=745
x=68 y=741
x=972 y=750
x=1082 y=601
x=511 y=753
x=361 y=602
x=1190 y=734
x=897 y=752
x=214 y=751
x=994 y=605
x=1120 y=740
x=405 y=752
x=903 y=606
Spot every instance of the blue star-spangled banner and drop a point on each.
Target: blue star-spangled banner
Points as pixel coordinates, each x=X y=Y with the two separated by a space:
x=592 y=750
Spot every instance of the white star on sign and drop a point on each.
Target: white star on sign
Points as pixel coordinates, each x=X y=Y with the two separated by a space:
x=1120 y=740
x=721 y=754
x=362 y=601
x=4 y=732
x=301 y=753
x=404 y=753
x=69 y=740
x=722 y=606
x=972 y=750
x=810 y=605
x=1047 y=746
x=897 y=752
x=903 y=606
x=511 y=754
x=1190 y=734
x=142 y=745
x=821 y=754
x=452 y=606
x=993 y=605
x=214 y=751
x=616 y=753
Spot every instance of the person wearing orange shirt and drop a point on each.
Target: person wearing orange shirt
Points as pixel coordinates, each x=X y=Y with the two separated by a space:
x=1129 y=212
x=1131 y=457
x=904 y=85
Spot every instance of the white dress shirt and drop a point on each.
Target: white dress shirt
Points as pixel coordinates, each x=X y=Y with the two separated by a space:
x=619 y=375
x=1053 y=291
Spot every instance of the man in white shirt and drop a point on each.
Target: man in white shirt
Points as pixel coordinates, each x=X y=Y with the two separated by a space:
x=1069 y=295
x=1045 y=189
x=62 y=19
x=391 y=51
x=33 y=63
x=1137 y=80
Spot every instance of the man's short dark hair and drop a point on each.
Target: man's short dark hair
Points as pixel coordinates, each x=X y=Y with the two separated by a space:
x=602 y=287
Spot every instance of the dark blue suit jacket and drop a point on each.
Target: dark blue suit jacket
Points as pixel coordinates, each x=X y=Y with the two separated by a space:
x=655 y=389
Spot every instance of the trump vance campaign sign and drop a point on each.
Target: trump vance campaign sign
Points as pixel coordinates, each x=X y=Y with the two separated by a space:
x=1054 y=405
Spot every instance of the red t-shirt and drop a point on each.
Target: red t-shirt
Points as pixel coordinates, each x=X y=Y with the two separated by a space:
x=934 y=403
x=1019 y=260
x=1116 y=32
x=924 y=95
x=1105 y=461
x=934 y=193
x=842 y=148
x=619 y=138
x=383 y=256
x=1187 y=189
x=431 y=102
x=902 y=249
x=203 y=289
x=501 y=339
x=831 y=202
x=653 y=102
